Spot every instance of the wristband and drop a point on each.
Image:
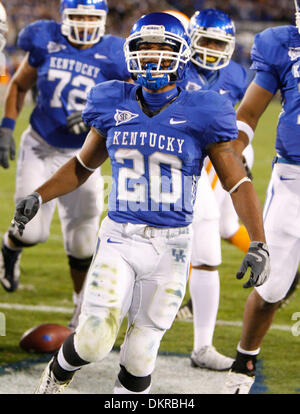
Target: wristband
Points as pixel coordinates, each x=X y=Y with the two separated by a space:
x=39 y=198
x=243 y=180
x=8 y=123
x=83 y=164
x=242 y=126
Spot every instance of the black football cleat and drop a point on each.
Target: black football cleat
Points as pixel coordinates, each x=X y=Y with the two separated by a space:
x=9 y=268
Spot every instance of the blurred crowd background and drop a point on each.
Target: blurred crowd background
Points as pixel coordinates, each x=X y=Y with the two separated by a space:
x=250 y=17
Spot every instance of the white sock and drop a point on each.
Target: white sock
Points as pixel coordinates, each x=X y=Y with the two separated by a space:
x=119 y=389
x=244 y=351
x=204 y=289
x=63 y=363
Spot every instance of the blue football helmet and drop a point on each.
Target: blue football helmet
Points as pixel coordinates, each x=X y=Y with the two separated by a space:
x=3 y=27
x=83 y=32
x=297 y=7
x=211 y=25
x=157 y=68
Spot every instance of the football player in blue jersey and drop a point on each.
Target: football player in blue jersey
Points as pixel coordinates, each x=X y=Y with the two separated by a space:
x=64 y=60
x=276 y=59
x=156 y=136
x=212 y=41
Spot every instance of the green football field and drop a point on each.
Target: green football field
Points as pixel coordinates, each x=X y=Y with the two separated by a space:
x=45 y=282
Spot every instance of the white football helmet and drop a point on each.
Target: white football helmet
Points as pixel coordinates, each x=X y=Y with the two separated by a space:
x=162 y=29
x=3 y=27
x=83 y=32
x=211 y=25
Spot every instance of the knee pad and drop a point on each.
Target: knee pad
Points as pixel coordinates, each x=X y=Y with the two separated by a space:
x=271 y=294
x=96 y=335
x=17 y=242
x=165 y=304
x=139 y=350
x=81 y=240
x=133 y=383
x=79 y=264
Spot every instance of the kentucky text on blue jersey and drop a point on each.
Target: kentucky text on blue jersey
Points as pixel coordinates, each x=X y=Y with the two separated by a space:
x=156 y=161
x=74 y=65
x=65 y=74
x=151 y=139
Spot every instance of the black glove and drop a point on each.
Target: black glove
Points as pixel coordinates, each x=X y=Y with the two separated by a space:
x=7 y=146
x=26 y=209
x=248 y=171
x=75 y=123
x=258 y=260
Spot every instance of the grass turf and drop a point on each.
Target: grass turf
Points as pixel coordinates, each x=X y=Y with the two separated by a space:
x=45 y=281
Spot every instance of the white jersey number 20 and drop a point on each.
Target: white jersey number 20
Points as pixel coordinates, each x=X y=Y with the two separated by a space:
x=156 y=181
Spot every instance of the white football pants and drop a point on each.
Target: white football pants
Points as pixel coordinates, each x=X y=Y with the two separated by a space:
x=139 y=270
x=79 y=211
x=282 y=228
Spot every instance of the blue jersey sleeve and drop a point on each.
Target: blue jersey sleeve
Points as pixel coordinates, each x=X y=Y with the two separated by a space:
x=267 y=81
x=116 y=67
x=264 y=56
x=98 y=111
x=241 y=84
x=222 y=126
x=34 y=39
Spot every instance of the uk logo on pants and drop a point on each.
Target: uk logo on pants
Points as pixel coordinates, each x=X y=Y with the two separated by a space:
x=179 y=255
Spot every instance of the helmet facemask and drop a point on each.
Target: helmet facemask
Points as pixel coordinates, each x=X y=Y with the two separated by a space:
x=82 y=32
x=211 y=58
x=155 y=68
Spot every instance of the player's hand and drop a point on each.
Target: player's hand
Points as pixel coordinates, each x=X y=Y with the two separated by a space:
x=7 y=147
x=75 y=123
x=258 y=260
x=26 y=209
x=246 y=166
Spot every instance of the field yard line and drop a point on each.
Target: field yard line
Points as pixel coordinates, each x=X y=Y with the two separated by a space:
x=36 y=308
x=51 y=236
x=57 y=309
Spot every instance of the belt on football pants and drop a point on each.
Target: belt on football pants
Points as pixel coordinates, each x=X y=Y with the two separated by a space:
x=281 y=160
x=150 y=232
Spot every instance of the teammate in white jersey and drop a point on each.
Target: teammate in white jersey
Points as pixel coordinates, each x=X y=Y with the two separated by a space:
x=156 y=136
x=64 y=60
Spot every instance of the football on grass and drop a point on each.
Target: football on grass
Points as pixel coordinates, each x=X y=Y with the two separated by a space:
x=47 y=338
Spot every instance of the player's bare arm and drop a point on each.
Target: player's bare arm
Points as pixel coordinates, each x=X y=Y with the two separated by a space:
x=77 y=170
x=253 y=105
x=67 y=178
x=234 y=179
x=231 y=172
x=22 y=81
